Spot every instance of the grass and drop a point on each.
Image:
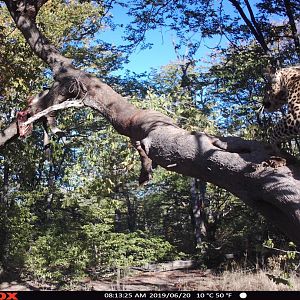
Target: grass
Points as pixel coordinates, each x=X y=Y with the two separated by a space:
x=259 y=281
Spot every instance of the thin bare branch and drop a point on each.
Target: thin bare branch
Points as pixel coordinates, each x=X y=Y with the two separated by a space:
x=281 y=250
x=64 y=105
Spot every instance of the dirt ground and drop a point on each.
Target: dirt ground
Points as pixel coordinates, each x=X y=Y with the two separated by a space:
x=175 y=280
x=142 y=281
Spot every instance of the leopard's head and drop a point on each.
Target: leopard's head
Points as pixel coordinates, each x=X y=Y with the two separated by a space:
x=276 y=91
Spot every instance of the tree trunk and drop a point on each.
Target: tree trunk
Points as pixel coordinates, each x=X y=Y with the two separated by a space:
x=118 y=220
x=3 y=195
x=131 y=215
x=198 y=191
x=242 y=167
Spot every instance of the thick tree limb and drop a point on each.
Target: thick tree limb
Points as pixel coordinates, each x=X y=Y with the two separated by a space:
x=237 y=165
x=23 y=13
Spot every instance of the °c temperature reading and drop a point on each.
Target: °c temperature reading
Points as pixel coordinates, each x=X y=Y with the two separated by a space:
x=211 y=295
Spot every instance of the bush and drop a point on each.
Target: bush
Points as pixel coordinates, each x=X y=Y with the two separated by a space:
x=15 y=238
x=57 y=257
x=113 y=250
x=63 y=256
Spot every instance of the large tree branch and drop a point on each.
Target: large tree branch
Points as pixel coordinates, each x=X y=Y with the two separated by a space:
x=24 y=13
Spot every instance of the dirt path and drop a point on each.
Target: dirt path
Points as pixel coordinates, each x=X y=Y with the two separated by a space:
x=141 y=281
x=169 y=280
x=164 y=280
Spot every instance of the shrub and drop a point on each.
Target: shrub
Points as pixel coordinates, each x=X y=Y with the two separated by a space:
x=113 y=250
x=57 y=257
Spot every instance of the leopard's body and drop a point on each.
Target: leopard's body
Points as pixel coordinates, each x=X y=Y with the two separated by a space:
x=284 y=88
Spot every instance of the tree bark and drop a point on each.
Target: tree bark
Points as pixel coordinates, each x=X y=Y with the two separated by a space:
x=24 y=13
x=241 y=167
x=198 y=217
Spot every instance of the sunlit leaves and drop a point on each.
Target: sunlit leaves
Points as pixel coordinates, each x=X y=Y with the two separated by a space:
x=73 y=22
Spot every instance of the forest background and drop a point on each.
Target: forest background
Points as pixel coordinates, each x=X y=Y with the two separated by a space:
x=78 y=211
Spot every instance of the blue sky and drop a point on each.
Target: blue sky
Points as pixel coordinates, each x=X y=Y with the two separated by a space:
x=160 y=54
x=162 y=51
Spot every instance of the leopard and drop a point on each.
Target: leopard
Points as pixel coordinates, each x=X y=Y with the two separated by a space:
x=283 y=87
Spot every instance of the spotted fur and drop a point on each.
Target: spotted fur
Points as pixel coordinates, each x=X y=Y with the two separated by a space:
x=284 y=87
